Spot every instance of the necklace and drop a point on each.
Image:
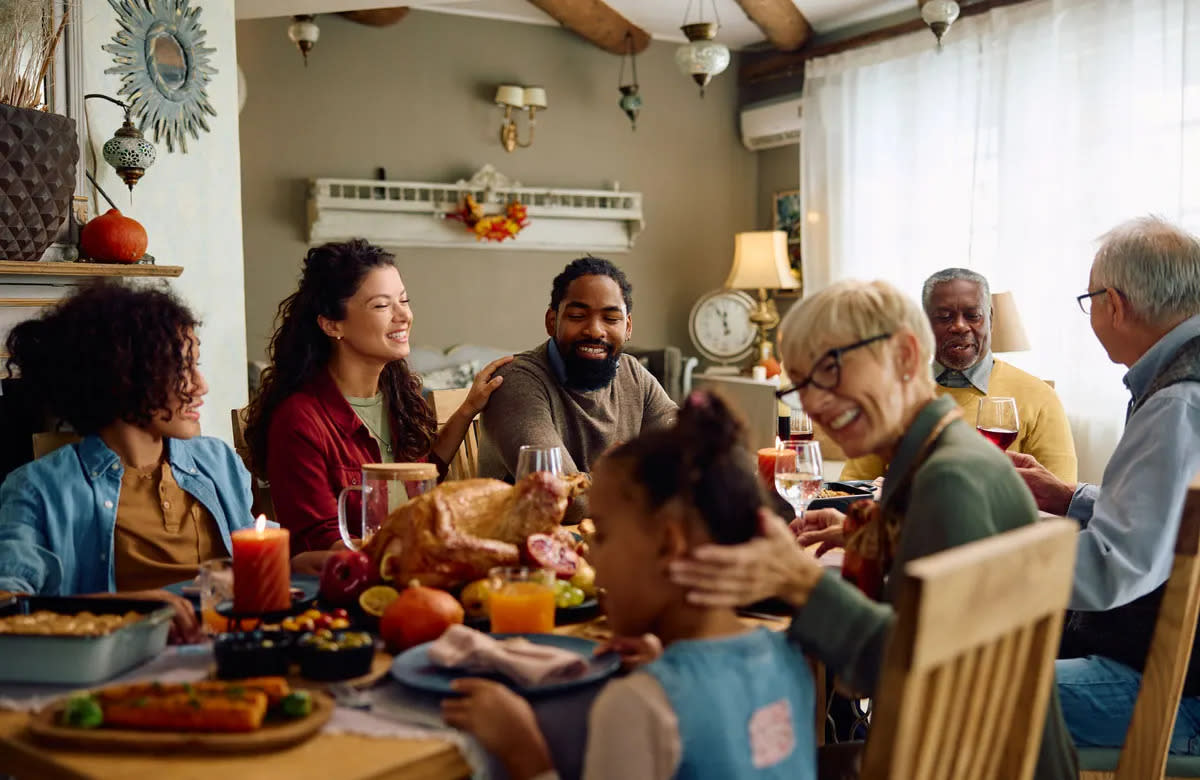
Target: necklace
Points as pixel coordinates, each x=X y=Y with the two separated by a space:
x=379 y=438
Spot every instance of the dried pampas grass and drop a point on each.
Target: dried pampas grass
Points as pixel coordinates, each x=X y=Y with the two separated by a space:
x=28 y=39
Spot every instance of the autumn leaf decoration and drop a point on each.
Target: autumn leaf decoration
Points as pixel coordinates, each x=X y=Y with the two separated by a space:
x=497 y=227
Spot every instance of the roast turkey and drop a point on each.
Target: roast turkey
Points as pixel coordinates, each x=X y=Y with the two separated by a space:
x=458 y=531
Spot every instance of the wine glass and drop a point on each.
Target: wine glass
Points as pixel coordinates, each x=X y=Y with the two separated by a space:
x=798 y=469
x=800 y=426
x=998 y=421
x=531 y=459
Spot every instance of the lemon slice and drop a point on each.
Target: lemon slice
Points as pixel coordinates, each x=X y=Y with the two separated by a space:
x=385 y=566
x=375 y=600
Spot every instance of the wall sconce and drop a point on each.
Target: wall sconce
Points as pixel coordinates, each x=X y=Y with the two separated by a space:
x=509 y=97
x=127 y=151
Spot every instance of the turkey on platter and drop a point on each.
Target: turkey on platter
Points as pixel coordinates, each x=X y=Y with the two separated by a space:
x=458 y=531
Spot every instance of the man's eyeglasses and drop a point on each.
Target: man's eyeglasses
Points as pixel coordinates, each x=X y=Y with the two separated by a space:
x=826 y=373
x=1085 y=300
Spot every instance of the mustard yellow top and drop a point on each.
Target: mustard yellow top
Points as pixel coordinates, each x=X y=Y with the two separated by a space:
x=1044 y=432
x=163 y=533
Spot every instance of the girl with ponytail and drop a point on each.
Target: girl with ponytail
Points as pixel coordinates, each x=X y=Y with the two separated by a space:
x=722 y=700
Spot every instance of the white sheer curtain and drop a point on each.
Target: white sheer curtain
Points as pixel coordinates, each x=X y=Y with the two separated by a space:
x=1039 y=127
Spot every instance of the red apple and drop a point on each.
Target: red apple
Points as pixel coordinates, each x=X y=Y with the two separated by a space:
x=346 y=574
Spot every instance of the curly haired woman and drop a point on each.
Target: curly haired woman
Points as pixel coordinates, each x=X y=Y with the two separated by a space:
x=142 y=499
x=339 y=393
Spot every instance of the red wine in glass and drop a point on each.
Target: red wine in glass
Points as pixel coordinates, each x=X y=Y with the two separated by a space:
x=1001 y=438
x=998 y=421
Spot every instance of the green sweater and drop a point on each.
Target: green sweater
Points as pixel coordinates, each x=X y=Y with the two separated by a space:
x=964 y=491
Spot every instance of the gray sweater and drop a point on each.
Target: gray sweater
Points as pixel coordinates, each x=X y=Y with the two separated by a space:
x=533 y=407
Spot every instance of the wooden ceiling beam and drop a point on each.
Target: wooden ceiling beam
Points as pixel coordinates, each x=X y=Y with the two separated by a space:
x=759 y=68
x=377 y=17
x=780 y=20
x=597 y=23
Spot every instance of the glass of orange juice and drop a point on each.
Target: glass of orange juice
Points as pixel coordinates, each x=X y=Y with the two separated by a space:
x=522 y=600
x=215 y=581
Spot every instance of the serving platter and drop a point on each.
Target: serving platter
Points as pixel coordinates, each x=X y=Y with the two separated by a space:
x=275 y=734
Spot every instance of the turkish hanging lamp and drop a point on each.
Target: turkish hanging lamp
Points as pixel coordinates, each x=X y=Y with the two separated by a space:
x=303 y=32
x=631 y=101
x=702 y=57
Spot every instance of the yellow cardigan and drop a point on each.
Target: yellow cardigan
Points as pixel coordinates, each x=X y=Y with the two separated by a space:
x=1044 y=432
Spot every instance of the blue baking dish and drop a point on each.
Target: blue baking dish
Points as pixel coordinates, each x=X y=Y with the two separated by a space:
x=82 y=660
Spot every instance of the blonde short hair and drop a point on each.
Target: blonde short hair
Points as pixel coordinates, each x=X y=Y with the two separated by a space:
x=849 y=311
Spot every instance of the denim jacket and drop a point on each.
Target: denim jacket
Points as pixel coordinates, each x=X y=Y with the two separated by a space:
x=58 y=513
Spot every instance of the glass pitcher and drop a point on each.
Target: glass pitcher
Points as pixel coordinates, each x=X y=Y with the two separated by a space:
x=385 y=487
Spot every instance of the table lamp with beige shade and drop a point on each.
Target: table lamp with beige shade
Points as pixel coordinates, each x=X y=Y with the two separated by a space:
x=760 y=262
x=1008 y=334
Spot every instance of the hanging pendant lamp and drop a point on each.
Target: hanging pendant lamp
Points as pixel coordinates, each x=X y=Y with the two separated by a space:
x=630 y=101
x=702 y=57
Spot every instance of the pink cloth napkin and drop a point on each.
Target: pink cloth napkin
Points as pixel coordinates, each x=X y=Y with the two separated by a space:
x=522 y=661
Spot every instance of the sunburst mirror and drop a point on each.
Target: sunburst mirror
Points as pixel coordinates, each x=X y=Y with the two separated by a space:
x=164 y=67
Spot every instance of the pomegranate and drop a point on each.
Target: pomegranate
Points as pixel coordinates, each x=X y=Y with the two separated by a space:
x=551 y=552
x=419 y=615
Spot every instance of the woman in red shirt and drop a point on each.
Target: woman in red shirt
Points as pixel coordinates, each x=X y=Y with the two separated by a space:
x=339 y=393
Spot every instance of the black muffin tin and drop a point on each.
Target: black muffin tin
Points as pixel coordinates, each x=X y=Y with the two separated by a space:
x=244 y=654
x=329 y=665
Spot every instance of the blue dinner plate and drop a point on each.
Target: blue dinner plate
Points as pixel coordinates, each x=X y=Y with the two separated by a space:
x=414 y=669
x=304 y=589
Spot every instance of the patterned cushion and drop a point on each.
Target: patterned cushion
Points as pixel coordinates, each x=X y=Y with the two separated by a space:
x=451 y=377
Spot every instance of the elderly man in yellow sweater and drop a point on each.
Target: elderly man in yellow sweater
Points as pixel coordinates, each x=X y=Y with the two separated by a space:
x=958 y=303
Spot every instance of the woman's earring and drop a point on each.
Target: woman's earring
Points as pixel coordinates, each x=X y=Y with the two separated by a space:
x=906 y=377
x=339 y=338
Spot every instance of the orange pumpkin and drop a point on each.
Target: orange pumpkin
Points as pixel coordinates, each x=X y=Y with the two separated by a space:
x=113 y=238
x=419 y=615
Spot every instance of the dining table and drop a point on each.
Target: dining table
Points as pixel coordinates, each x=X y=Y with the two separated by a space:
x=347 y=756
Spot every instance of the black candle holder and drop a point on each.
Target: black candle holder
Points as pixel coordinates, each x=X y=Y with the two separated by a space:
x=225 y=610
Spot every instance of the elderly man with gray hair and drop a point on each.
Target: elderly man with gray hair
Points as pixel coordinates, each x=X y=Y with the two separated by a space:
x=1143 y=298
x=958 y=303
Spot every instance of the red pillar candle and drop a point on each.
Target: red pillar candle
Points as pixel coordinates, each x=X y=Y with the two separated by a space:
x=766 y=466
x=262 y=577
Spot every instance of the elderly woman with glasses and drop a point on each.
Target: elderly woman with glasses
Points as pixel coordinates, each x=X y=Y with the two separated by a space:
x=858 y=356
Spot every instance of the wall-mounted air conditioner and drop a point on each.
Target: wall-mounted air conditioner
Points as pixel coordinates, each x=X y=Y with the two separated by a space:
x=767 y=125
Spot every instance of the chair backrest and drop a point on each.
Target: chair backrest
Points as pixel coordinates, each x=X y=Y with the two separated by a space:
x=45 y=443
x=466 y=461
x=260 y=489
x=970 y=663
x=1149 y=736
x=240 y=445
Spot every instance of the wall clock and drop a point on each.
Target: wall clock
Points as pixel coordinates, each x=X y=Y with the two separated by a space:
x=720 y=326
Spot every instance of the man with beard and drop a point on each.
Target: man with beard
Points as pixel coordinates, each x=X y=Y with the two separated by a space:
x=958 y=303
x=576 y=391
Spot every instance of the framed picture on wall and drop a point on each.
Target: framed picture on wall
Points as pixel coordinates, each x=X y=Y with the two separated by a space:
x=787 y=213
x=787 y=219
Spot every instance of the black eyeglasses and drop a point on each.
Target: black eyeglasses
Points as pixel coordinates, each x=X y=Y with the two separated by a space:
x=1085 y=300
x=826 y=373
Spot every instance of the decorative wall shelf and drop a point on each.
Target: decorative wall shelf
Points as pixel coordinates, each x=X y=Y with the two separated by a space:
x=72 y=273
x=412 y=213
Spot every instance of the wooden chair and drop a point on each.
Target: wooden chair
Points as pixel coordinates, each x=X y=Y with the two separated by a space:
x=260 y=489
x=466 y=461
x=45 y=443
x=1148 y=739
x=969 y=665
